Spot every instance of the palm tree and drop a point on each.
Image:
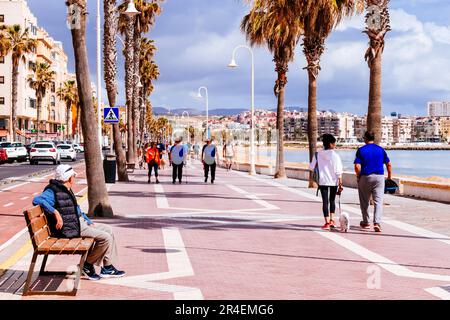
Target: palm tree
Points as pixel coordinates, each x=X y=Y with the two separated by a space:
x=97 y=194
x=377 y=25
x=68 y=94
x=272 y=24
x=133 y=29
x=40 y=82
x=110 y=76
x=18 y=43
x=319 y=18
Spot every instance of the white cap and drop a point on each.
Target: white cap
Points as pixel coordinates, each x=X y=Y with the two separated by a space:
x=64 y=172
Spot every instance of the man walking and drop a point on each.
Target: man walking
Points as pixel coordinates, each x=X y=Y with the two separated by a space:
x=177 y=158
x=210 y=158
x=66 y=220
x=370 y=175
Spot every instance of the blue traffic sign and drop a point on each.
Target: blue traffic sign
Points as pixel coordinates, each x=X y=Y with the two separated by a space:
x=111 y=115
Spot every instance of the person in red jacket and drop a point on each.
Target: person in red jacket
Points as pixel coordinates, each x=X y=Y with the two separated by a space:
x=153 y=161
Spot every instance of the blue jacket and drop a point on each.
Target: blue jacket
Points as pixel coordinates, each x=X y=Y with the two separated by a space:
x=47 y=201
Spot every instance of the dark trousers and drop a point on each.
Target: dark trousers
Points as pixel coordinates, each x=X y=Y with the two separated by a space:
x=328 y=199
x=177 y=171
x=213 y=171
x=152 y=166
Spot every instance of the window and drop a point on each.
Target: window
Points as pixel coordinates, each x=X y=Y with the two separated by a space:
x=2 y=59
x=53 y=101
x=2 y=79
x=2 y=18
x=53 y=116
x=53 y=87
x=32 y=103
x=2 y=100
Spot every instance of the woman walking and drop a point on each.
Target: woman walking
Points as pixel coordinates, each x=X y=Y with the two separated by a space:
x=153 y=161
x=329 y=165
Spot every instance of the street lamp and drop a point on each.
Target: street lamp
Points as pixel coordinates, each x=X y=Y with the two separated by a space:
x=233 y=64
x=199 y=95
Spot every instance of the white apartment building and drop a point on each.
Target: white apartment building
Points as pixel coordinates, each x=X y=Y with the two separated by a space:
x=438 y=109
x=426 y=129
x=17 y=12
x=402 y=129
x=387 y=130
x=346 y=128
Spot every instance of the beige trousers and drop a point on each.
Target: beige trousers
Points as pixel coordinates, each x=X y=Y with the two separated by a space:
x=104 y=250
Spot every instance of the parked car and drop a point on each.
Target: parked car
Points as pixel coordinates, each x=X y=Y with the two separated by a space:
x=78 y=148
x=29 y=147
x=3 y=156
x=66 y=151
x=10 y=151
x=44 y=151
x=21 y=151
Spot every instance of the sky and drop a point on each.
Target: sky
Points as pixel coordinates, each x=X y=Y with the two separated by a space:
x=195 y=40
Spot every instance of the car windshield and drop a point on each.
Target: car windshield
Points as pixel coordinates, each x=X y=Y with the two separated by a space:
x=44 y=146
x=63 y=147
x=5 y=145
x=18 y=145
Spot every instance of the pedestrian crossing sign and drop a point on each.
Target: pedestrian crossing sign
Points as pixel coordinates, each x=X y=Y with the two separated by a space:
x=111 y=115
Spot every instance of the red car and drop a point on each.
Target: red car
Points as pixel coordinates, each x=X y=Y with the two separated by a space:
x=3 y=156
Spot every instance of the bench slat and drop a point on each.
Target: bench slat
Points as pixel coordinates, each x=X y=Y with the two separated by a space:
x=36 y=224
x=72 y=245
x=59 y=245
x=45 y=246
x=41 y=236
x=34 y=212
x=85 y=244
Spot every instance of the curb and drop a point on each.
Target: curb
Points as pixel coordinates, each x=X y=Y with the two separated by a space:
x=8 y=181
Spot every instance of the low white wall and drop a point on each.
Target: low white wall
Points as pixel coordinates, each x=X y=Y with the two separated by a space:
x=407 y=187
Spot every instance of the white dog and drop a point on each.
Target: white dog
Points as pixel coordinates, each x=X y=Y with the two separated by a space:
x=344 y=221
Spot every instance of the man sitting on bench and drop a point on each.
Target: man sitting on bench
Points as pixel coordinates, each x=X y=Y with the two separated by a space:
x=66 y=220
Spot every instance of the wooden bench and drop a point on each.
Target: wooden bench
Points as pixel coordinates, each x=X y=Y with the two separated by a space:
x=45 y=244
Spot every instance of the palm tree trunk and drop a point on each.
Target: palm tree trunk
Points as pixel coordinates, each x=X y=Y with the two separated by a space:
x=374 y=109
x=110 y=66
x=15 y=76
x=137 y=91
x=312 y=119
x=97 y=194
x=38 y=118
x=129 y=76
x=78 y=124
x=280 y=88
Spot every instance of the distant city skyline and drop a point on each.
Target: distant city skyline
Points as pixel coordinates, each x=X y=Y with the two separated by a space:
x=195 y=44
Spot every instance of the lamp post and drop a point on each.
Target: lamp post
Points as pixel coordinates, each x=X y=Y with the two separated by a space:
x=207 y=110
x=233 y=64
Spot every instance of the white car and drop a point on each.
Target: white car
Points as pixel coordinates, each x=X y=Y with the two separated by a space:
x=10 y=151
x=22 y=153
x=77 y=147
x=44 y=151
x=66 y=151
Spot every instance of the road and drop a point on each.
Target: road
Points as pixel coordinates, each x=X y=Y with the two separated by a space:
x=15 y=169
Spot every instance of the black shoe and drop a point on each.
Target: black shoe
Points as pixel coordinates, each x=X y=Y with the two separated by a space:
x=148 y=181
x=206 y=180
x=364 y=225
x=179 y=182
x=111 y=272
x=212 y=181
x=173 y=182
x=89 y=271
x=157 y=181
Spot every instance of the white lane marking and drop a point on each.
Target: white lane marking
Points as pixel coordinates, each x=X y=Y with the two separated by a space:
x=439 y=292
x=8 y=204
x=14 y=238
x=395 y=223
x=178 y=264
x=161 y=200
x=253 y=197
x=383 y=262
x=24 y=198
x=15 y=186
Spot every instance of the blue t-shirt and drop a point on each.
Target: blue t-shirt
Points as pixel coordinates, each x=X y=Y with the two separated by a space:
x=371 y=157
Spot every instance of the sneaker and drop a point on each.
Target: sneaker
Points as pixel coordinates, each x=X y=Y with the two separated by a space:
x=111 y=272
x=173 y=182
x=157 y=181
x=212 y=181
x=332 y=224
x=377 y=227
x=89 y=272
x=326 y=226
x=365 y=226
x=206 y=180
x=148 y=181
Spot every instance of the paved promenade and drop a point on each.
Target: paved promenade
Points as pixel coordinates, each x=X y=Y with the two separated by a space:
x=250 y=238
